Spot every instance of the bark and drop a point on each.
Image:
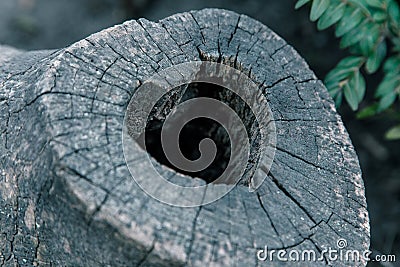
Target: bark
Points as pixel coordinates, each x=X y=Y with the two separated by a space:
x=67 y=197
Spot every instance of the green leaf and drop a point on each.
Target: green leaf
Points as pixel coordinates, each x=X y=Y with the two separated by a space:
x=337 y=74
x=318 y=7
x=338 y=99
x=352 y=37
x=333 y=91
x=351 y=97
x=344 y=69
x=301 y=3
x=357 y=36
x=394 y=18
x=350 y=62
x=332 y=15
x=375 y=3
x=331 y=85
x=371 y=38
x=392 y=64
x=379 y=16
x=394 y=11
x=367 y=111
x=357 y=83
x=387 y=86
x=376 y=58
x=396 y=42
x=351 y=19
x=386 y=101
x=393 y=133
x=361 y=4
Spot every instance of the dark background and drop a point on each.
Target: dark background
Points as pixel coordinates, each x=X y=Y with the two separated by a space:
x=44 y=24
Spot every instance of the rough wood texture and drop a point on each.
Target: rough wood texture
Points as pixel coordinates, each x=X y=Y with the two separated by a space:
x=67 y=198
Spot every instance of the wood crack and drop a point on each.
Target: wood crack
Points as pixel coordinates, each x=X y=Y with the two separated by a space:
x=269 y=217
x=295 y=201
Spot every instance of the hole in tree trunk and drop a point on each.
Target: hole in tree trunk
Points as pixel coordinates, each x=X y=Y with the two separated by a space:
x=194 y=131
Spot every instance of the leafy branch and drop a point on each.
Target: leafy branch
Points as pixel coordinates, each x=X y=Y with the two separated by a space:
x=368 y=29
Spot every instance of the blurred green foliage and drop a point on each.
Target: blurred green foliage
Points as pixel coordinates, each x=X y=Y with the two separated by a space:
x=370 y=30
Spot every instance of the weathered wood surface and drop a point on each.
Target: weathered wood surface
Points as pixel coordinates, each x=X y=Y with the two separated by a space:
x=67 y=197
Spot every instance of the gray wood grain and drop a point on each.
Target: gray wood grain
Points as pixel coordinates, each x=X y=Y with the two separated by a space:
x=67 y=198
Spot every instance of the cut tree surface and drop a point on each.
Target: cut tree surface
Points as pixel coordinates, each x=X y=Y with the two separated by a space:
x=68 y=199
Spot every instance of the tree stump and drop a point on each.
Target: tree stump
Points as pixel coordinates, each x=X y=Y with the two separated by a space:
x=67 y=196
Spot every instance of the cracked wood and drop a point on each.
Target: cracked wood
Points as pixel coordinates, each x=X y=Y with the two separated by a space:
x=67 y=197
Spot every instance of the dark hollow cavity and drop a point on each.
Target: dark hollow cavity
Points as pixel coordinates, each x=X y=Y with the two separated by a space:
x=198 y=129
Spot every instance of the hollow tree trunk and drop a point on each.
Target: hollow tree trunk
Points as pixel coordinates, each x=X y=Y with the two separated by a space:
x=68 y=199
